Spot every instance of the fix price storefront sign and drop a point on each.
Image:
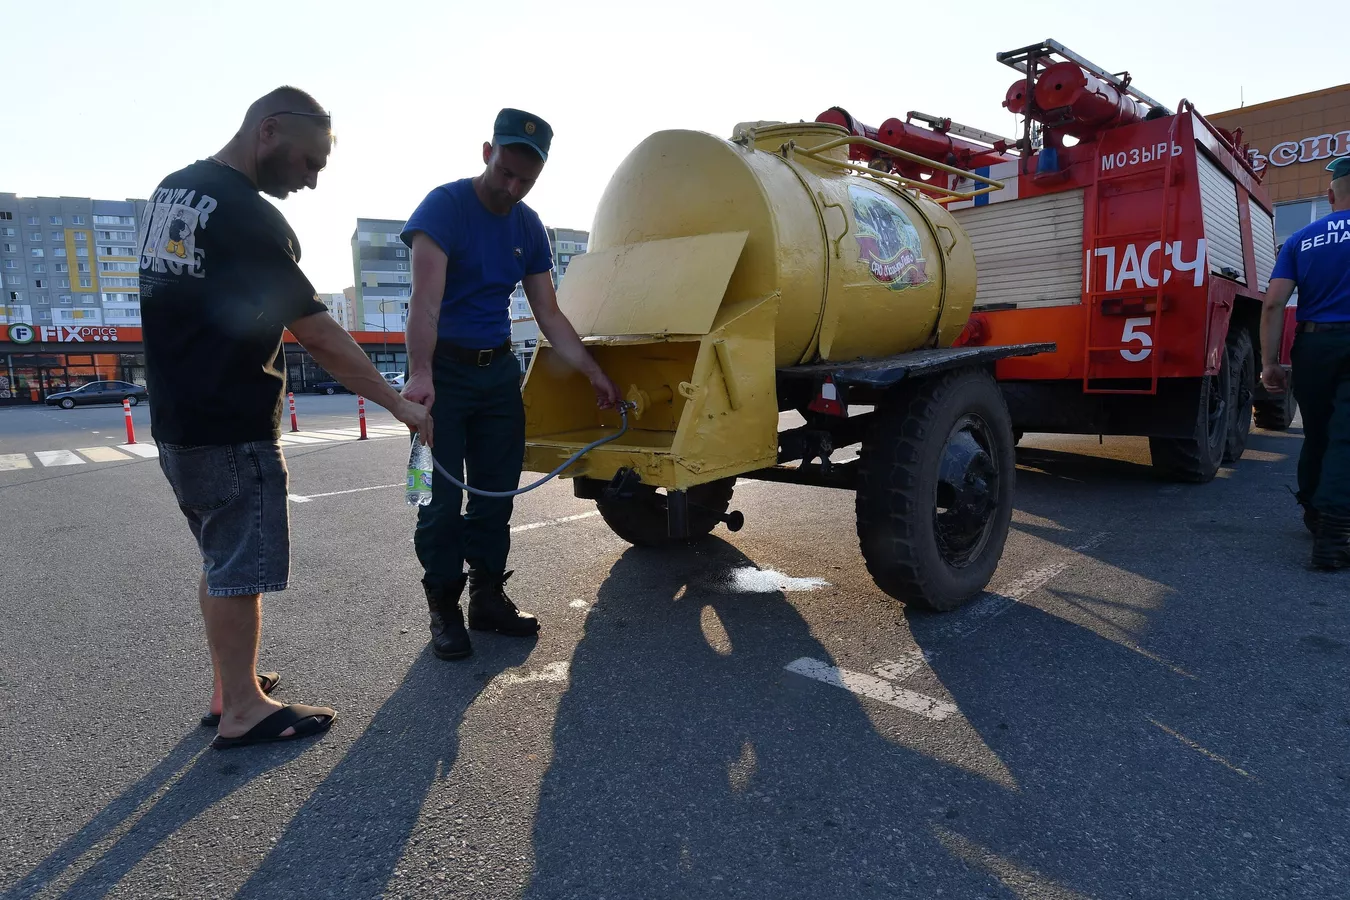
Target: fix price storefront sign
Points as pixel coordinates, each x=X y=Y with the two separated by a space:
x=21 y=333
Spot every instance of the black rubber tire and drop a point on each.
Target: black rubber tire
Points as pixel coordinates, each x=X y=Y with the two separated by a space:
x=132 y=401
x=1275 y=412
x=641 y=521
x=1240 y=357
x=67 y=403
x=330 y=391
x=1196 y=459
x=898 y=475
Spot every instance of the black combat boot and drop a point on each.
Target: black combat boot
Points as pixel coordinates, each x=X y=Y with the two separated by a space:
x=1310 y=516
x=1331 y=545
x=449 y=640
x=491 y=610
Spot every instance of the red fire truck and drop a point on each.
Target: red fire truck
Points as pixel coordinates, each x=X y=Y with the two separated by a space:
x=1137 y=238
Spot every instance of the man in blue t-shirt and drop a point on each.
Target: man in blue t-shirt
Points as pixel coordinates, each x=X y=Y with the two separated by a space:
x=472 y=241
x=1316 y=261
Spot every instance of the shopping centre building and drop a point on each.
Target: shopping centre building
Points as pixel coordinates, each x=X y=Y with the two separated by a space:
x=37 y=360
x=1293 y=140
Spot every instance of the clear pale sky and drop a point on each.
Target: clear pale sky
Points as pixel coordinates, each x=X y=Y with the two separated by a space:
x=111 y=96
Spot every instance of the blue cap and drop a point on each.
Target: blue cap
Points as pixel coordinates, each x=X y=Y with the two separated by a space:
x=1339 y=168
x=516 y=126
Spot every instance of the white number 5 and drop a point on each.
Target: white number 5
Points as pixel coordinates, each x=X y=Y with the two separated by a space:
x=1130 y=335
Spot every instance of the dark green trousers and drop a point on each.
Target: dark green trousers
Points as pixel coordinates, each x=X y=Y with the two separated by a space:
x=480 y=431
x=1321 y=362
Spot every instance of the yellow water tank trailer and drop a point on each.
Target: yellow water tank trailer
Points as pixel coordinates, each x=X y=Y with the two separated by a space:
x=728 y=281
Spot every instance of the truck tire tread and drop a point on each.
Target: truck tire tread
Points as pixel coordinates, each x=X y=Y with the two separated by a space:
x=895 y=489
x=1241 y=360
x=1275 y=412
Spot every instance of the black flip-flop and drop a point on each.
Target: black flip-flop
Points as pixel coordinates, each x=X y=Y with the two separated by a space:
x=268 y=681
x=306 y=720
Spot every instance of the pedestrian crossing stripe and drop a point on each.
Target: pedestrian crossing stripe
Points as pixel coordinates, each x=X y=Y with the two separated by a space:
x=103 y=454
x=10 y=462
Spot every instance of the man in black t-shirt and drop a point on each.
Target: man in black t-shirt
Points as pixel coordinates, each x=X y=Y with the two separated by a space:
x=219 y=281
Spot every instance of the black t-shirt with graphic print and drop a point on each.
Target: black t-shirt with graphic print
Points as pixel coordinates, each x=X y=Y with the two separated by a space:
x=219 y=281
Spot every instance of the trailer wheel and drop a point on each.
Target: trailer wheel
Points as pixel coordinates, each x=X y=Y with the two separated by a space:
x=935 y=488
x=1196 y=459
x=1275 y=412
x=641 y=520
x=1241 y=361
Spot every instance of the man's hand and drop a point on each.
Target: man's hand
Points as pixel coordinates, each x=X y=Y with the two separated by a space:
x=419 y=389
x=416 y=416
x=1274 y=378
x=607 y=393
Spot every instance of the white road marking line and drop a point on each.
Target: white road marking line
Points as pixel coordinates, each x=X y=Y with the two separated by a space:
x=533 y=525
x=58 y=458
x=298 y=439
x=14 y=461
x=146 y=451
x=873 y=688
x=102 y=454
x=992 y=605
x=301 y=498
x=307 y=434
x=980 y=613
x=333 y=435
x=909 y=663
x=1201 y=750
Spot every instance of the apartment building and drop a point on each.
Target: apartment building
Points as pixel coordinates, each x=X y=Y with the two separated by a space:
x=381 y=267
x=69 y=261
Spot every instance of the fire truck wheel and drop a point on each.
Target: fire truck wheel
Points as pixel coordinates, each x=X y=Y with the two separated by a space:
x=935 y=489
x=1241 y=361
x=1196 y=459
x=1275 y=412
x=641 y=520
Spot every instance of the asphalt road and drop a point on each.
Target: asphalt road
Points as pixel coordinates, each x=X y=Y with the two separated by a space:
x=1150 y=702
x=28 y=428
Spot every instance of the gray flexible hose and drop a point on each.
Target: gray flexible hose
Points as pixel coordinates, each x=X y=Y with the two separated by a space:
x=623 y=413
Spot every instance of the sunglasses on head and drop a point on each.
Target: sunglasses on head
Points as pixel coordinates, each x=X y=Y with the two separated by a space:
x=307 y=115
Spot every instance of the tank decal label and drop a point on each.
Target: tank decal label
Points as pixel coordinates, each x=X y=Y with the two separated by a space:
x=888 y=242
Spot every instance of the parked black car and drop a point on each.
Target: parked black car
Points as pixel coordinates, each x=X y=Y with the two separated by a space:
x=99 y=392
x=329 y=387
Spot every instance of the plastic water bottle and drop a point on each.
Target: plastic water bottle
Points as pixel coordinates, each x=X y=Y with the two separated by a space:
x=418 y=491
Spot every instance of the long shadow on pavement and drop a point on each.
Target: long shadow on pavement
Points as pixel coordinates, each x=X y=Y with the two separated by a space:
x=192 y=779
x=110 y=818
x=350 y=835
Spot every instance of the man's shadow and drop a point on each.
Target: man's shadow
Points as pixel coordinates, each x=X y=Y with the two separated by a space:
x=351 y=833
x=192 y=779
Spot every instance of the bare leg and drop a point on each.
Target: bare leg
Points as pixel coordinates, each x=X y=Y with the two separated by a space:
x=233 y=626
x=215 y=666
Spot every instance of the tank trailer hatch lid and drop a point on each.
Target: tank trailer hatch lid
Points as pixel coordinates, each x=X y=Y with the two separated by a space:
x=670 y=286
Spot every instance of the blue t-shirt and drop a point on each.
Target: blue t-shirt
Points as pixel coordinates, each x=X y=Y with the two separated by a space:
x=486 y=256
x=1317 y=258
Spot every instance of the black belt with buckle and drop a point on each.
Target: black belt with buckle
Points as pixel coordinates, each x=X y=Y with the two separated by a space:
x=1310 y=327
x=480 y=358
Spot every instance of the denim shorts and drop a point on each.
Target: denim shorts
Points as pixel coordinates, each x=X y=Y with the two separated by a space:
x=234 y=498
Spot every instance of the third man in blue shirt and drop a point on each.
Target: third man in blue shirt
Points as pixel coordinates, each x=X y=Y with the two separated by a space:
x=472 y=241
x=1316 y=261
